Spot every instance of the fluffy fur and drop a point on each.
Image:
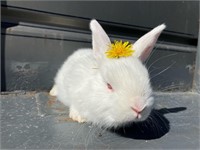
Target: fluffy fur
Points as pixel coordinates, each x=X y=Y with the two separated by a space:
x=81 y=82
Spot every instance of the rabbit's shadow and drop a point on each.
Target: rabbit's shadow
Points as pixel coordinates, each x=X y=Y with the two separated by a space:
x=156 y=126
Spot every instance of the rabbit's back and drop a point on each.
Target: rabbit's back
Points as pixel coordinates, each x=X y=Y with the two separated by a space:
x=74 y=75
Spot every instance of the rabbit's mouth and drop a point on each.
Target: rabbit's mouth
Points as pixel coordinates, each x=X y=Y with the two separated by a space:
x=141 y=115
x=137 y=112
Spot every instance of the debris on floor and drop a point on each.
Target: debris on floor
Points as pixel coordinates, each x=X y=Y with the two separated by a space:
x=32 y=120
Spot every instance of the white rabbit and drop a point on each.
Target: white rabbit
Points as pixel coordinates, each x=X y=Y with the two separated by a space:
x=107 y=92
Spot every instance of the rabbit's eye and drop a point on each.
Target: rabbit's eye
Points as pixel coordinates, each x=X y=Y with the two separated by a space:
x=109 y=86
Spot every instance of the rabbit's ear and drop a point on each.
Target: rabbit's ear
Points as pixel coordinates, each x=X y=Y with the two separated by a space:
x=146 y=43
x=100 y=40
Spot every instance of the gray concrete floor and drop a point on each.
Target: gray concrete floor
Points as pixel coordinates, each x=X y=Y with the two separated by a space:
x=32 y=120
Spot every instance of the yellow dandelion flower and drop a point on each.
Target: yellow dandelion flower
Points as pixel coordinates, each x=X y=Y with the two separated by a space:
x=119 y=49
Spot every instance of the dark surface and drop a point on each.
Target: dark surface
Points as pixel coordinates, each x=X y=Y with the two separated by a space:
x=36 y=121
x=31 y=53
x=180 y=16
x=35 y=55
x=16 y=15
x=196 y=83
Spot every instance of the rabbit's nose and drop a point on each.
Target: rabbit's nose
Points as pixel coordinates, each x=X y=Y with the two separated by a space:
x=138 y=105
x=137 y=110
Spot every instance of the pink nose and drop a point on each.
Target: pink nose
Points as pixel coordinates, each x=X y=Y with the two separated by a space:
x=138 y=104
x=137 y=110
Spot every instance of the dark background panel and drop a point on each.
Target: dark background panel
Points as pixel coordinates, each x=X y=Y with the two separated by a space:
x=32 y=63
x=171 y=70
x=31 y=53
x=180 y=16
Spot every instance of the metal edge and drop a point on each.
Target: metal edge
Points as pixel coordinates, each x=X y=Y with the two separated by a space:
x=196 y=83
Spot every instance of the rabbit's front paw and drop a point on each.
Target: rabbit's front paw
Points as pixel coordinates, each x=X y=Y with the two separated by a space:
x=74 y=115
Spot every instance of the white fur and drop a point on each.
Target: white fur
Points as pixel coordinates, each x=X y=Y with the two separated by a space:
x=81 y=84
